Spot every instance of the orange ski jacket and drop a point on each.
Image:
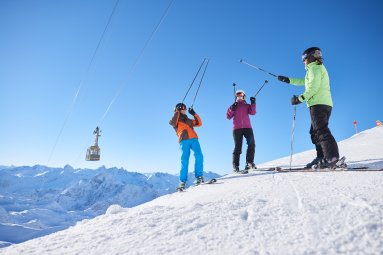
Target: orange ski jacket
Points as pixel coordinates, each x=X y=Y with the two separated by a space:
x=184 y=126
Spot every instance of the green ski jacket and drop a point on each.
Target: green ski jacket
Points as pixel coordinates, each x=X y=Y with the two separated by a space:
x=317 y=85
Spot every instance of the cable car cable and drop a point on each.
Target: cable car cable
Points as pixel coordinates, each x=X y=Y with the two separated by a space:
x=120 y=89
x=83 y=81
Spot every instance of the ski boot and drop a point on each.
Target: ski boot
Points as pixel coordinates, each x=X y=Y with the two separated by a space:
x=250 y=166
x=237 y=171
x=314 y=162
x=333 y=164
x=181 y=187
x=199 y=180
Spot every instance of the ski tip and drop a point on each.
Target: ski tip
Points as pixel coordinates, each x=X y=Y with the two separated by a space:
x=213 y=180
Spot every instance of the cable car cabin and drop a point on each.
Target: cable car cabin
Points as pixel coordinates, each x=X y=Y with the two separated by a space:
x=93 y=152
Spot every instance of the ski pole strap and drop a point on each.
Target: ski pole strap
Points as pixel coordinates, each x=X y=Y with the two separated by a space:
x=200 y=82
x=187 y=92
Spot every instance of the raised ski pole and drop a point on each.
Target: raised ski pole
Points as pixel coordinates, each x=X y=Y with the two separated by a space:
x=234 y=91
x=266 y=81
x=292 y=136
x=200 y=82
x=199 y=69
x=256 y=67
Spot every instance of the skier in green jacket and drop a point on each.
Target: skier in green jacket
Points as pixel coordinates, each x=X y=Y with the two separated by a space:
x=318 y=99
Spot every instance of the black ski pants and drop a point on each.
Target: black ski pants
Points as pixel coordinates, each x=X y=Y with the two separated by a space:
x=321 y=136
x=238 y=135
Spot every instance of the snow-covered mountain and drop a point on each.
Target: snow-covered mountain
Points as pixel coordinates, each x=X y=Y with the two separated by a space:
x=260 y=213
x=36 y=201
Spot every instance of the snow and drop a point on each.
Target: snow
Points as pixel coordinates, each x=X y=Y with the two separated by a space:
x=259 y=213
x=36 y=201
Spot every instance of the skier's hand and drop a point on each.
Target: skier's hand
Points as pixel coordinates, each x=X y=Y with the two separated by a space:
x=283 y=79
x=295 y=100
x=191 y=111
x=252 y=100
x=233 y=106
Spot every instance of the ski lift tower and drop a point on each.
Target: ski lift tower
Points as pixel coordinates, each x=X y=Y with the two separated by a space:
x=93 y=152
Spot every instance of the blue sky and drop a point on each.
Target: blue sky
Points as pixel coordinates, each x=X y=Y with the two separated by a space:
x=46 y=47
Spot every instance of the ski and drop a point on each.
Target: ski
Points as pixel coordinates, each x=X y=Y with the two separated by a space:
x=305 y=169
x=179 y=189
x=211 y=181
x=345 y=169
x=240 y=172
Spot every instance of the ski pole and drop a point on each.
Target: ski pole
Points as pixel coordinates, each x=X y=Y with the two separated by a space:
x=292 y=136
x=235 y=96
x=200 y=82
x=187 y=92
x=266 y=81
x=256 y=67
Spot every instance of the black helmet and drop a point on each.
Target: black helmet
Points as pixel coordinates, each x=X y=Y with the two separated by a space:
x=180 y=106
x=312 y=54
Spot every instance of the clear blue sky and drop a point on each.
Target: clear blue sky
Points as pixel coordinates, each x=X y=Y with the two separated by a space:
x=46 y=46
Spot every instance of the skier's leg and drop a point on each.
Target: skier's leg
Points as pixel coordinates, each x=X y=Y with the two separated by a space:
x=185 y=150
x=320 y=115
x=198 y=166
x=249 y=135
x=238 y=137
x=314 y=140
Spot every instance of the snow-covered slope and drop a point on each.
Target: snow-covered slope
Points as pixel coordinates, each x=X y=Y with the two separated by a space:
x=363 y=148
x=258 y=213
x=36 y=201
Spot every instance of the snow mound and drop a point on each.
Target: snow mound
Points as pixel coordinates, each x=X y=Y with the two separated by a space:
x=115 y=209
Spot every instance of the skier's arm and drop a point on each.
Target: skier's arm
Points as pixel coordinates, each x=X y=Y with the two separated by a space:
x=252 y=109
x=229 y=113
x=197 y=122
x=174 y=121
x=297 y=81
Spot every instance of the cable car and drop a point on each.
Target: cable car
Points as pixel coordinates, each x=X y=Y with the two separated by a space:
x=93 y=152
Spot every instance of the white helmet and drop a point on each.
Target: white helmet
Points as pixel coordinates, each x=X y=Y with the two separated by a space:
x=240 y=91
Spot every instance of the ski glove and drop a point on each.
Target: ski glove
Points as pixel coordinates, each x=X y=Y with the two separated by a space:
x=252 y=100
x=295 y=100
x=191 y=111
x=284 y=79
x=233 y=106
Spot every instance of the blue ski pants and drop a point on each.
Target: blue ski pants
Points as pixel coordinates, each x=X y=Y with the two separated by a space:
x=185 y=147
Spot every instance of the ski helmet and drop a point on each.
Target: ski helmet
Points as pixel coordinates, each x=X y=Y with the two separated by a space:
x=312 y=54
x=240 y=91
x=180 y=106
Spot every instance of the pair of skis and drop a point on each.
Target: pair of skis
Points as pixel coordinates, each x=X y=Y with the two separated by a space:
x=338 y=169
x=211 y=181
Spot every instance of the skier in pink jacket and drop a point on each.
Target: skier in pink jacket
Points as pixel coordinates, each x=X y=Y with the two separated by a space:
x=240 y=111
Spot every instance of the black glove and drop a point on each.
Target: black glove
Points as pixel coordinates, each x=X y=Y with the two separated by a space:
x=233 y=106
x=191 y=111
x=295 y=100
x=284 y=79
x=252 y=100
